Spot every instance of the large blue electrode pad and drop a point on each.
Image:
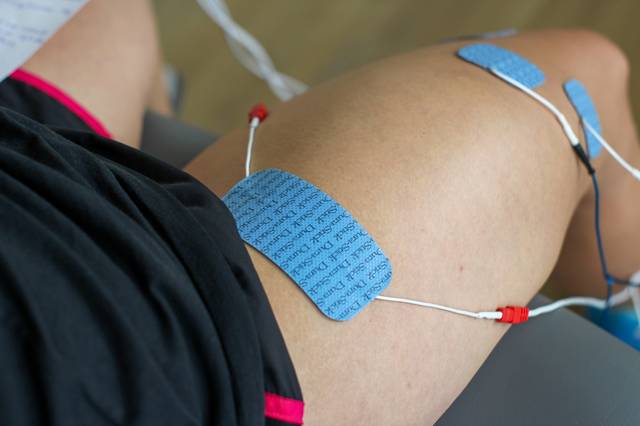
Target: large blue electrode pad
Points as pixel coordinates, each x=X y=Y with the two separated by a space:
x=584 y=106
x=312 y=238
x=490 y=56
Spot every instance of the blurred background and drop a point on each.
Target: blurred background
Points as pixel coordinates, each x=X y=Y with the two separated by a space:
x=314 y=41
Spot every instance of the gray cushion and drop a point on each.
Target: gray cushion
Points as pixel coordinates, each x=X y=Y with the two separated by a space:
x=557 y=369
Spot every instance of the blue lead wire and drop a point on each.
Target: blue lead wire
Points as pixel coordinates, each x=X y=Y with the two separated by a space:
x=610 y=279
x=603 y=259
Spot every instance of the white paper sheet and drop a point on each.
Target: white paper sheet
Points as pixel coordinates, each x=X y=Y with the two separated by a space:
x=25 y=25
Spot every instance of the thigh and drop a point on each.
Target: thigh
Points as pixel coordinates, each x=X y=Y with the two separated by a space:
x=467 y=185
x=106 y=58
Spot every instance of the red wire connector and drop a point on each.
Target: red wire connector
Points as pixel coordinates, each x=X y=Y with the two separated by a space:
x=260 y=112
x=513 y=314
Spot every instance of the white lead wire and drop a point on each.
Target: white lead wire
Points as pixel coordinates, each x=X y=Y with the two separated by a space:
x=565 y=124
x=616 y=299
x=494 y=315
x=573 y=139
x=634 y=172
x=571 y=301
x=255 y=122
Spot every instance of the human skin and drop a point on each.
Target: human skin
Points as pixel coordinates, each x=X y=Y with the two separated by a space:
x=108 y=58
x=468 y=185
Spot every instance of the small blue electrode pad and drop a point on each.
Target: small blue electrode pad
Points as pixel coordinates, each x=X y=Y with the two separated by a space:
x=312 y=238
x=490 y=56
x=586 y=109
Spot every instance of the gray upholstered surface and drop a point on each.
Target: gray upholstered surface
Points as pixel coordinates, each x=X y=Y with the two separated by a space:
x=171 y=140
x=557 y=369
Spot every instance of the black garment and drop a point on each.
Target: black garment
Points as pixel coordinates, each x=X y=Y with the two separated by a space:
x=126 y=295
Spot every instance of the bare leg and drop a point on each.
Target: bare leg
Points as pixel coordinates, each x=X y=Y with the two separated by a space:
x=107 y=58
x=469 y=187
x=159 y=96
x=578 y=270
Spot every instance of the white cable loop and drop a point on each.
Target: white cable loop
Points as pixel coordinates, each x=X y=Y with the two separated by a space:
x=251 y=53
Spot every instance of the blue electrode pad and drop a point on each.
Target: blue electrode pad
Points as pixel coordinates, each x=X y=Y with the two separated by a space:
x=490 y=56
x=312 y=238
x=584 y=106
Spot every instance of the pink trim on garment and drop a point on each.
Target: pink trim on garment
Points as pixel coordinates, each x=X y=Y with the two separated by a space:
x=67 y=101
x=286 y=410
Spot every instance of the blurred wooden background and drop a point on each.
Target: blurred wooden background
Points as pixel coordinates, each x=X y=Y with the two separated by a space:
x=317 y=40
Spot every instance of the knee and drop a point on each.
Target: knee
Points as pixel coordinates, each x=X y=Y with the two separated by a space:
x=597 y=50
